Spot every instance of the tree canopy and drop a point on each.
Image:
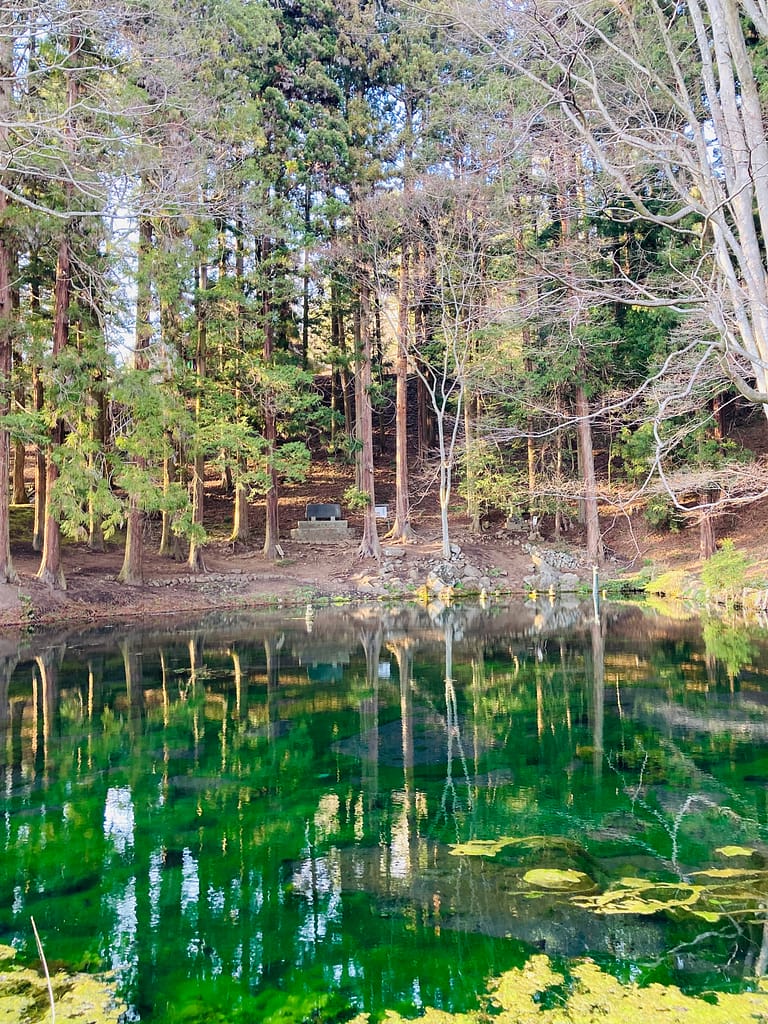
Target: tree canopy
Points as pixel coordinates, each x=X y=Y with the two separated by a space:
x=547 y=224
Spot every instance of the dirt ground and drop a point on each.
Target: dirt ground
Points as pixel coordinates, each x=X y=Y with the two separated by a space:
x=244 y=578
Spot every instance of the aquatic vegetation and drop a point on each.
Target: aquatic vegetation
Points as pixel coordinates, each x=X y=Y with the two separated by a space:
x=78 y=998
x=713 y=895
x=558 y=880
x=542 y=993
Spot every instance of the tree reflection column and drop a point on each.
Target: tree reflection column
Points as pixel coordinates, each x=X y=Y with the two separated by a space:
x=597 y=667
x=371 y=637
x=8 y=663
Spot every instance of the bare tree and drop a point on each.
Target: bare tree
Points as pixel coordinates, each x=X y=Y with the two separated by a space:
x=664 y=101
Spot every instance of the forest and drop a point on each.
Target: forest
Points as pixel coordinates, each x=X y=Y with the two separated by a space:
x=235 y=233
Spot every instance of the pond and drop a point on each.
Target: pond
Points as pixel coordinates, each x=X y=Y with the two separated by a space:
x=349 y=810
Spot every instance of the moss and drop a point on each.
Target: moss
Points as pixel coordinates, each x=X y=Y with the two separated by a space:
x=540 y=993
x=78 y=998
x=559 y=880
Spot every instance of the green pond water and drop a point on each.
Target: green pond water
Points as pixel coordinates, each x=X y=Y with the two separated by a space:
x=256 y=818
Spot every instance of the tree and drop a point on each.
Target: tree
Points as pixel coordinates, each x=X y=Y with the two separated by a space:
x=7 y=574
x=667 y=101
x=132 y=571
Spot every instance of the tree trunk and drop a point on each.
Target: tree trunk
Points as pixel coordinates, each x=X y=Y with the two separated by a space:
x=426 y=427
x=241 y=527
x=305 y=280
x=241 y=533
x=470 y=454
x=40 y=469
x=132 y=572
x=50 y=570
x=558 y=477
x=707 y=539
x=170 y=542
x=369 y=544
x=587 y=462
x=195 y=559
x=401 y=528
x=271 y=500
x=98 y=437
x=20 y=495
x=272 y=527
x=7 y=574
x=339 y=338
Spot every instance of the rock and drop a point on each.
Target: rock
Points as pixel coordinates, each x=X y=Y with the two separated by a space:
x=435 y=584
x=569 y=581
x=455 y=550
x=396 y=553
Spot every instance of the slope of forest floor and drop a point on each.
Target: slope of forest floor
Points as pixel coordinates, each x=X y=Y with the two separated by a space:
x=244 y=578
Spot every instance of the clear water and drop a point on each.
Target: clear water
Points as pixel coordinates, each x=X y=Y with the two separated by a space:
x=254 y=818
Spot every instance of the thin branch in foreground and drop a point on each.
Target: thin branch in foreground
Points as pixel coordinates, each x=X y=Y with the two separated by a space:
x=44 y=962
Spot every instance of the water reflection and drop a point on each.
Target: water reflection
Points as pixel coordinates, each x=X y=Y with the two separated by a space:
x=368 y=808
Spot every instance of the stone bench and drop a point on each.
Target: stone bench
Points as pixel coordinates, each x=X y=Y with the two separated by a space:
x=323 y=525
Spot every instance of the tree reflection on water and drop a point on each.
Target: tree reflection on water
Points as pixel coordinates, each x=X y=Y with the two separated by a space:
x=372 y=807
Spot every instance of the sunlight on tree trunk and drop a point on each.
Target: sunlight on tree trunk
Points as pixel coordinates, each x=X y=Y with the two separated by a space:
x=369 y=544
x=132 y=572
x=195 y=559
x=7 y=574
x=589 y=482
x=51 y=570
x=401 y=528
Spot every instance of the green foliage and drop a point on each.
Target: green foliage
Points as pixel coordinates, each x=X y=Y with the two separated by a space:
x=670 y=584
x=729 y=644
x=724 y=572
x=356 y=501
x=661 y=514
x=497 y=482
x=28 y=427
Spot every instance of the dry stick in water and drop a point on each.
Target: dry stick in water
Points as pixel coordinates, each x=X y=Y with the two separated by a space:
x=45 y=968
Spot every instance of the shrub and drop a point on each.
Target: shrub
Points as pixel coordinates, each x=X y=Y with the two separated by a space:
x=724 y=571
x=661 y=514
x=670 y=583
x=356 y=500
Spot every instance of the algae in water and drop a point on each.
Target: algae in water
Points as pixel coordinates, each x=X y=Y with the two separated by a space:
x=79 y=998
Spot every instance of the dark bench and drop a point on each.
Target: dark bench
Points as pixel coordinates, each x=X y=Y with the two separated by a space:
x=327 y=512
